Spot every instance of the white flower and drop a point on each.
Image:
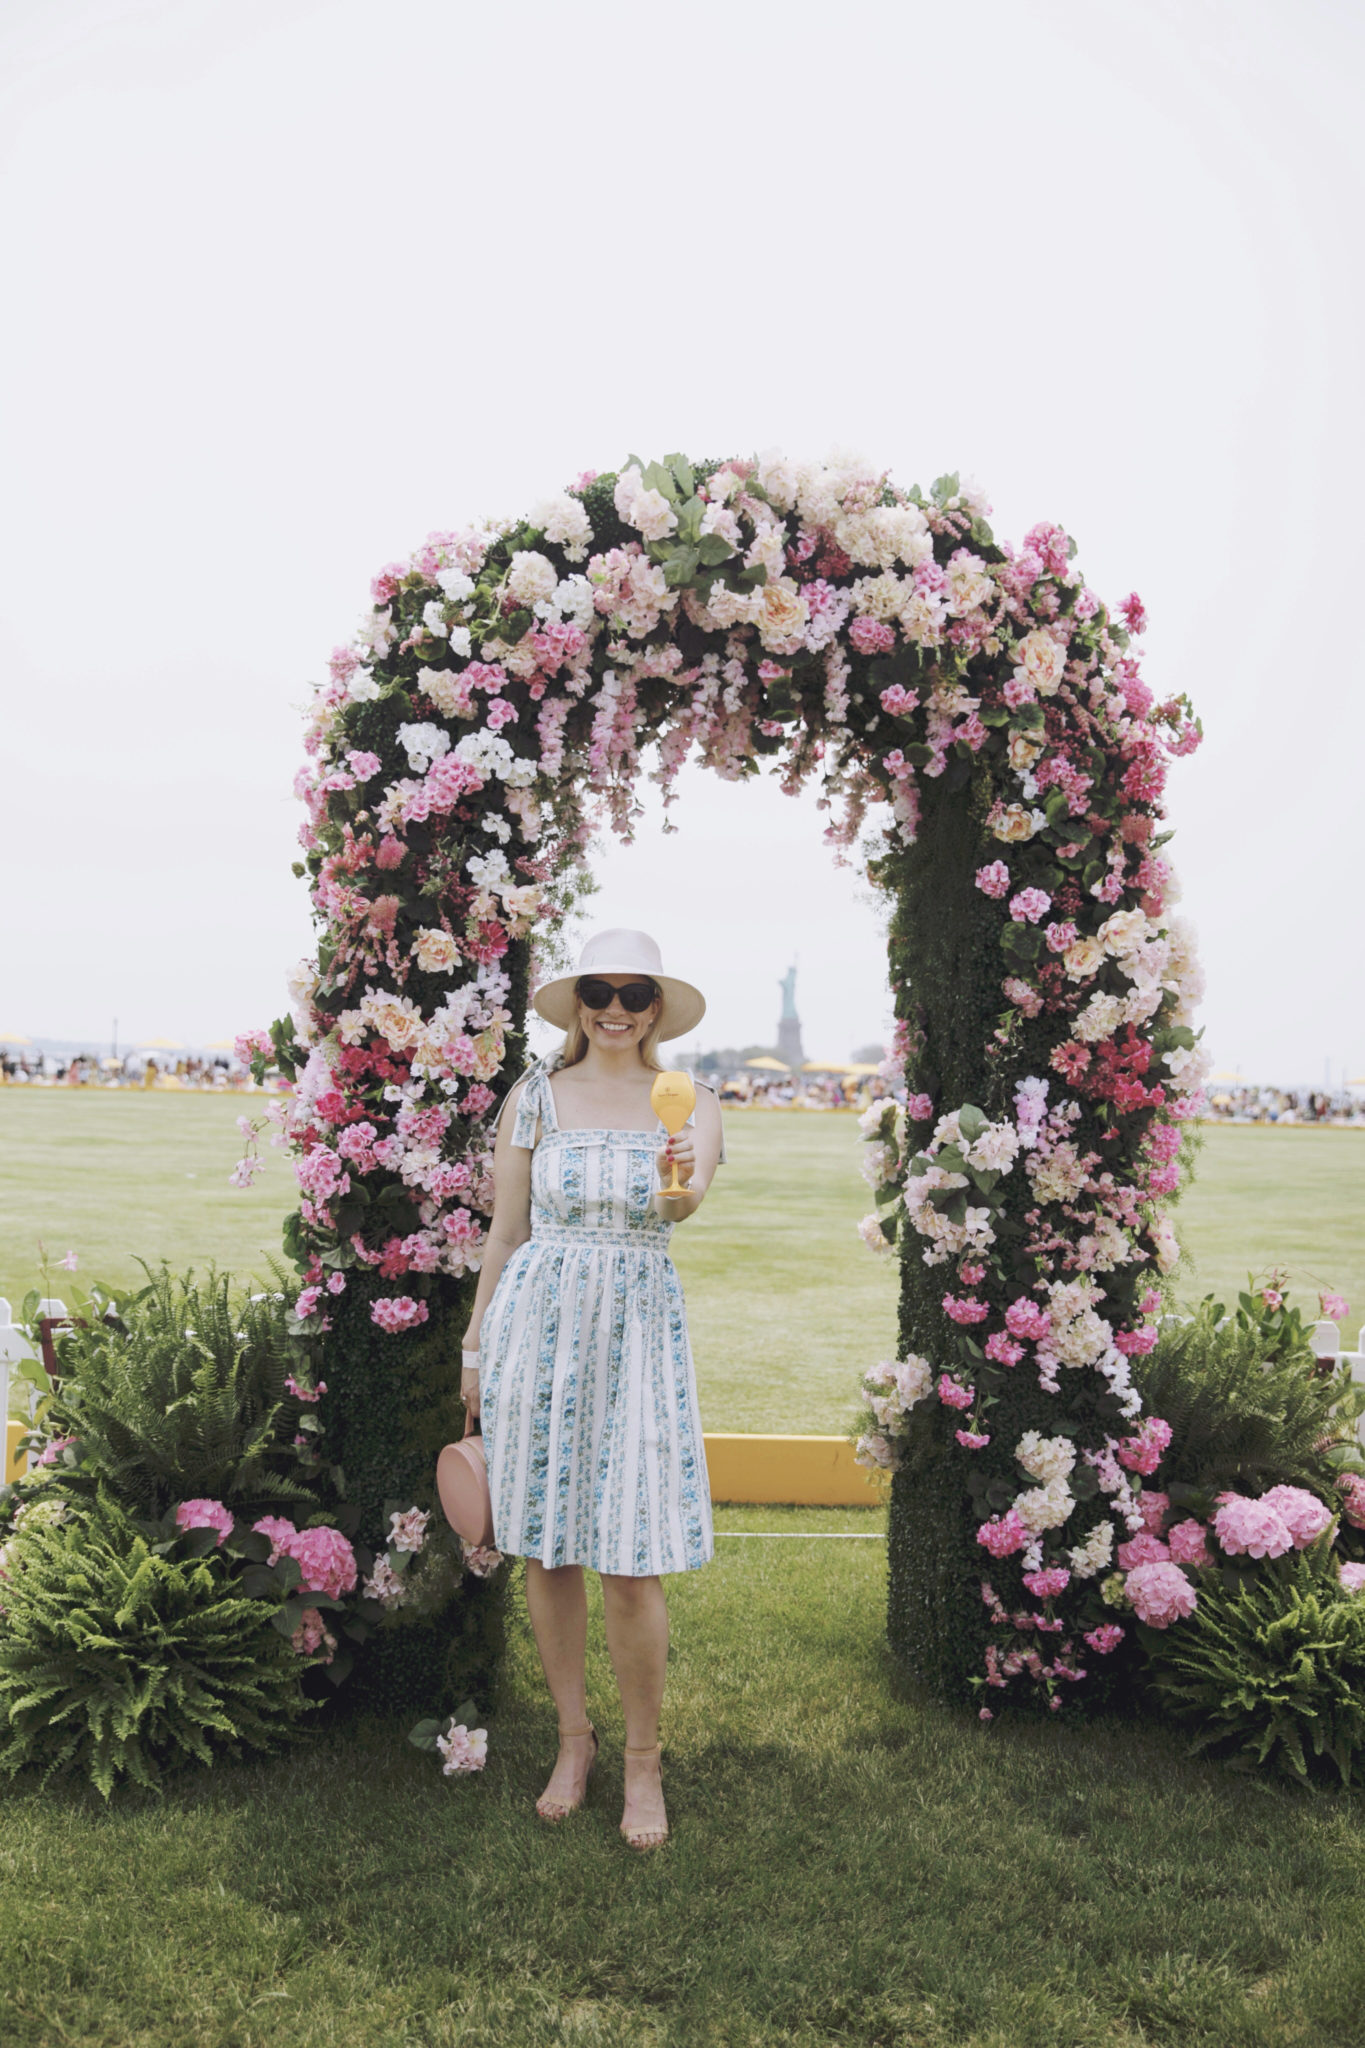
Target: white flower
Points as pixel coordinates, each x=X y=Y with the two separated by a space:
x=378 y=633
x=969 y=583
x=573 y=600
x=423 y=744
x=460 y=642
x=648 y=511
x=1125 y=931
x=1045 y=1507
x=362 y=688
x=1092 y=1557
x=1048 y=1458
x=880 y=597
x=778 y=478
x=532 y=577
x=488 y=868
x=302 y=982
x=995 y=1150
x=564 y=521
x=433 y=618
x=456 y=585
x=1099 y=1019
x=435 y=951
x=486 y=751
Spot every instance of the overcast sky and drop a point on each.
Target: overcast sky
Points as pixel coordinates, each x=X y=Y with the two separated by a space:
x=290 y=284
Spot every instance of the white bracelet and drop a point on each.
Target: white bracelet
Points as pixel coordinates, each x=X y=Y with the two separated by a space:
x=469 y=1361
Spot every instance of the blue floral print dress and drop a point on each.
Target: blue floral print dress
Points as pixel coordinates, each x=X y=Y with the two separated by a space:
x=589 y=1400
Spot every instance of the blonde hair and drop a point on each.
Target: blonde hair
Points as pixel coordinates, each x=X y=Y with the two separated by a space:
x=576 y=1040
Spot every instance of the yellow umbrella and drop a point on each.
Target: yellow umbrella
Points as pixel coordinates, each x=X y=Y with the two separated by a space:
x=1227 y=1074
x=14 y=1038
x=766 y=1060
x=863 y=1067
x=111 y=1066
x=826 y=1067
x=220 y=1045
x=159 y=1045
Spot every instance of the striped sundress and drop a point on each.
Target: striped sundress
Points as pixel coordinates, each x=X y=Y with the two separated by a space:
x=589 y=1402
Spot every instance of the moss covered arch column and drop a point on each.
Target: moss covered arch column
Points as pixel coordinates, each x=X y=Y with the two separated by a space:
x=975 y=719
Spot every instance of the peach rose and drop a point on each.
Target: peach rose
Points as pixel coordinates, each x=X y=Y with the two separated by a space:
x=1013 y=823
x=436 y=952
x=1082 y=959
x=783 y=619
x=1041 y=660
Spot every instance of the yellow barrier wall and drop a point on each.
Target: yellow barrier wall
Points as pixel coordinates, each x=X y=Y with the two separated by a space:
x=796 y=1471
x=15 y=1462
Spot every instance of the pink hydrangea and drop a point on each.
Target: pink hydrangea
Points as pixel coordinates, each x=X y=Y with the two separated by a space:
x=1104 y=1639
x=1046 y=1585
x=1141 y=1452
x=326 y=1561
x=993 y=880
x=1188 y=1544
x=1160 y=1594
x=204 y=1514
x=1024 y=1318
x=1303 y=1514
x=1004 y=1534
x=279 y=1532
x=1155 y=1507
x=1144 y=1548
x=1030 y=905
x=1248 y=1528
x=1351 y=1577
x=1351 y=1487
x=953 y=1394
x=398 y=1312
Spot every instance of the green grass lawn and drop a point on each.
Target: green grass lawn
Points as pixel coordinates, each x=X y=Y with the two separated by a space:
x=850 y=1865
x=786 y=1306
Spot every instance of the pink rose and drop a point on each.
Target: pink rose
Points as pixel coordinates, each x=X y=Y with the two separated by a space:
x=204 y=1514
x=1188 y=1543
x=1248 y=1528
x=1160 y=1594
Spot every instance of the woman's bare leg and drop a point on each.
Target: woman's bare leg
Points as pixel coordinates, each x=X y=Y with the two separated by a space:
x=636 y=1617
x=558 y=1606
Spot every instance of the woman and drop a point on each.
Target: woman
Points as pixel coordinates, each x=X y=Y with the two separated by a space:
x=577 y=1354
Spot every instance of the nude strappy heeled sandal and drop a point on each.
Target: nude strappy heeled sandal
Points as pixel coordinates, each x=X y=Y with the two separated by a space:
x=645 y=1838
x=558 y=1809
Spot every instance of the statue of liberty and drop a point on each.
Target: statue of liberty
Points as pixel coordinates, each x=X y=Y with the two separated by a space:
x=789 y=1047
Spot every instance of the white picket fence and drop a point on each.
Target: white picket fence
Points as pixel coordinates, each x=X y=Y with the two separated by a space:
x=15 y=1346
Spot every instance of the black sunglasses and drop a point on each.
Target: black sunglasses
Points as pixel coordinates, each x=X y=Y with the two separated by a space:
x=636 y=996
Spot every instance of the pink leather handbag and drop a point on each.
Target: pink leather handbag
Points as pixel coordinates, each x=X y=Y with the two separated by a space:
x=462 y=1483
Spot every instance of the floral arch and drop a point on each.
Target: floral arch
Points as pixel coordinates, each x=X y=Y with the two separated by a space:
x=978 y=713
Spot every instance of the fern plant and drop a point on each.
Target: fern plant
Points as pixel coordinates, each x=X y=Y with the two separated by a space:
x=1246 y=1411
x=119 y=1663
x=182 y=1394
x=1272 y=1672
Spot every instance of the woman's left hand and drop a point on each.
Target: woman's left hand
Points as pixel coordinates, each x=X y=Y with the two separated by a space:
x=679 y=1150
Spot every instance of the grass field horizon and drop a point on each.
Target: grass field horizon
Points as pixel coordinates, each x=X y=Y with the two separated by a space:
x=786 y=1306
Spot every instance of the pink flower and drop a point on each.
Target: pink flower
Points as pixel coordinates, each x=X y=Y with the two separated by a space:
x=898 y=702
x=1189 y=1544
x=1155 y=1508
x=248 y=1043
x=1046 y=1585
x=307 y=1302
x=870 y=636
x=304 y=1393
x=1030 y=905
x=1003 y=1349
x=1350 y=1577
x=1333 y=1308
x=464 y=1749
x=312 y=1635
x=1303 y=1514
x=389 y=853
x=1144 y=1548
x=1134 y=611
x=280 y=1533
x=69 y=1263
x=1060 y=936
x=204 y=1514
x=963 y=1309
x=985 y=1714
x=1248 y=1528
x=919 y=1108
x=1004 y=1534
x=971 y=1440
x=398 y=1312
x=1272 y=1297
x=953 y=1394
x=1142 y=1452
x=993 y=880
x=52 y=1451
x=1105 y=1639
x=1352 y=1486
x=481 y=1559
x=326 y=1560
x=1021 y=995
x=362 y=765
x=1024 y=1318
x=408 y=1531
x=1136 y=1343
x=1160 y=1594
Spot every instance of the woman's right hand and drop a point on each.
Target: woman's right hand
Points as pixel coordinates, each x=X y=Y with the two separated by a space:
x=469 y=1394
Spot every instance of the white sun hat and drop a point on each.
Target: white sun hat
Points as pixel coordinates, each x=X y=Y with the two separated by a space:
x=623 y=952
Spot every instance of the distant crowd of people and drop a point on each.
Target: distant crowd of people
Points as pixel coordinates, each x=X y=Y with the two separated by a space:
x=1248 y=1105
x=795 y=1091
x=136 y=1070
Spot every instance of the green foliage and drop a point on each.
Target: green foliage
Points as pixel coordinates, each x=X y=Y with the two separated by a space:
x=181 y=1394
x=119 y=1663
x=1273 y=1672
x=1249 y=1408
